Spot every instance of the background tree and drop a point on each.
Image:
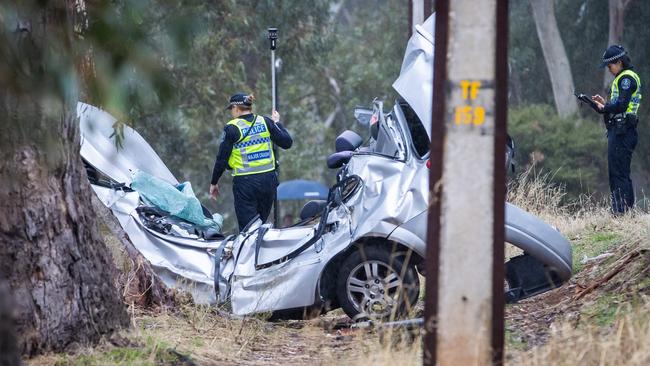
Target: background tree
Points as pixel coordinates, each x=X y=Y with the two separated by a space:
x=335 y=55
x=555 y=56
x=9 y=354
x=584 y=28
x=60 y=274
x=616 y=23
x=168 y=68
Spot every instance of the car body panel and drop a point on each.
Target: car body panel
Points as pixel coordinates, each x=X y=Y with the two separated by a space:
x=265 y=269
x=415 y=81
x=180 y=262
x=98 y=146
x=539 y=239
x=391 y=204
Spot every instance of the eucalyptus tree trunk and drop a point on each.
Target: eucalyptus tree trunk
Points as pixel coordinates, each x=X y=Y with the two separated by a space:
x=139 y=284
x=557 y=62
x=616 y=24
x=60 y=274
x=9 y=354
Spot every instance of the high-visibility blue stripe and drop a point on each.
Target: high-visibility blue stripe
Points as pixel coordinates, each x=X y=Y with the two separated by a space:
x=253 y=142
x=266 y=154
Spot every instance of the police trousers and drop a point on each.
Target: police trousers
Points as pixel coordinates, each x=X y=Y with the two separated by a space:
x=254 y=195
x=620 y=147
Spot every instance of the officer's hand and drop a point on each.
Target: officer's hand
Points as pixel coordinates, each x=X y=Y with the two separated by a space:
x=214 y=191
x=598 y=99
x=275 y=116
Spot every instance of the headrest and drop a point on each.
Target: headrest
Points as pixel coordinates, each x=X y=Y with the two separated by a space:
x=337 y=159
x=348 y=141
x=312 y=208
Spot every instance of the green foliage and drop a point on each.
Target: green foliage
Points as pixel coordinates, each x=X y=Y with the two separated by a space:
x=128 y=72
x=593 y=244
x=584 y=33
x=371 y=37
x=333 y=59
x=168 y=68
x=605 y=310
x=97 y=52
x=583 y=26
x=228 y=52
x=153 y=352
x=41 y=64
x=514 y=341
x=529 y=81
x=573 y=149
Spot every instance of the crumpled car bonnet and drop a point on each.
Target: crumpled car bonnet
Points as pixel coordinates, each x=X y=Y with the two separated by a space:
x=415 y=80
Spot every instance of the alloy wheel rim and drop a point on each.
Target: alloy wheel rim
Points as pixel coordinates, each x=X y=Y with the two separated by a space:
x=373 y=287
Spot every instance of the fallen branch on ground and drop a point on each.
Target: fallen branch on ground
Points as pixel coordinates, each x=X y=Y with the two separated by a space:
x=623 y=263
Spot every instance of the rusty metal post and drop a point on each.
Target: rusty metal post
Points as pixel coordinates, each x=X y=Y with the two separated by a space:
x=465 y=264
x=438 y=130
x=500 y=171
x=428 y=8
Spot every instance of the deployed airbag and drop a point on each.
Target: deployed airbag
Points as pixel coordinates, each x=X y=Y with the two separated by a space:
x=178 y=201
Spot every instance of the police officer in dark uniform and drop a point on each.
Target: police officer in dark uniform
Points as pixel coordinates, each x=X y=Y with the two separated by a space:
x=247 y=150
x=621 y=119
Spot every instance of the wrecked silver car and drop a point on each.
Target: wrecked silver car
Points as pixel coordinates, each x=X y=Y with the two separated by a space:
x=361 y=249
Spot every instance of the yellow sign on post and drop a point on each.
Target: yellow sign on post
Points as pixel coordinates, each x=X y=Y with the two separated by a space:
x=469 y=114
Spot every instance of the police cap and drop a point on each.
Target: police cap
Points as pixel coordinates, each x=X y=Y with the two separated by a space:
x=239 y=99
x=612 y=54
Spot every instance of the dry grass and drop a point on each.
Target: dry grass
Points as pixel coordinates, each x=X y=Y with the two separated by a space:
x=536 y=193
x=626 y=343
x=610 y=325
x=210 y=336
x=393 y=347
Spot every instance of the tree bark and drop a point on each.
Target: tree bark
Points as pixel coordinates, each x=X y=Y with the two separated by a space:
x=139 y=283
x=616 y=24
x=557 y=62
x=60 y=273
x=9 y=354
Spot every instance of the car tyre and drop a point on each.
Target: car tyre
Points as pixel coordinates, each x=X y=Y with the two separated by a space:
x=375 y=283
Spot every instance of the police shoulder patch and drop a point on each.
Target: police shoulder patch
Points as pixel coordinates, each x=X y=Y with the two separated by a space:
x=625 y=83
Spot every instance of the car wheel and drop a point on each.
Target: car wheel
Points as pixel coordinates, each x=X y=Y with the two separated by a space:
x=375 y=283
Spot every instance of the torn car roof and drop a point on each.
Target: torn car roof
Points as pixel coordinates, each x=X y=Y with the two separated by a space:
x=99 y=149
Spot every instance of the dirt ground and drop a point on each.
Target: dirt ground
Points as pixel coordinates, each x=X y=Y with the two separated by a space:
x=595 y=295
x=613 y=281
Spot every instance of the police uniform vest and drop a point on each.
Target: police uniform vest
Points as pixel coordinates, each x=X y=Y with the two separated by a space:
x=635 y=99
x=253 y=153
